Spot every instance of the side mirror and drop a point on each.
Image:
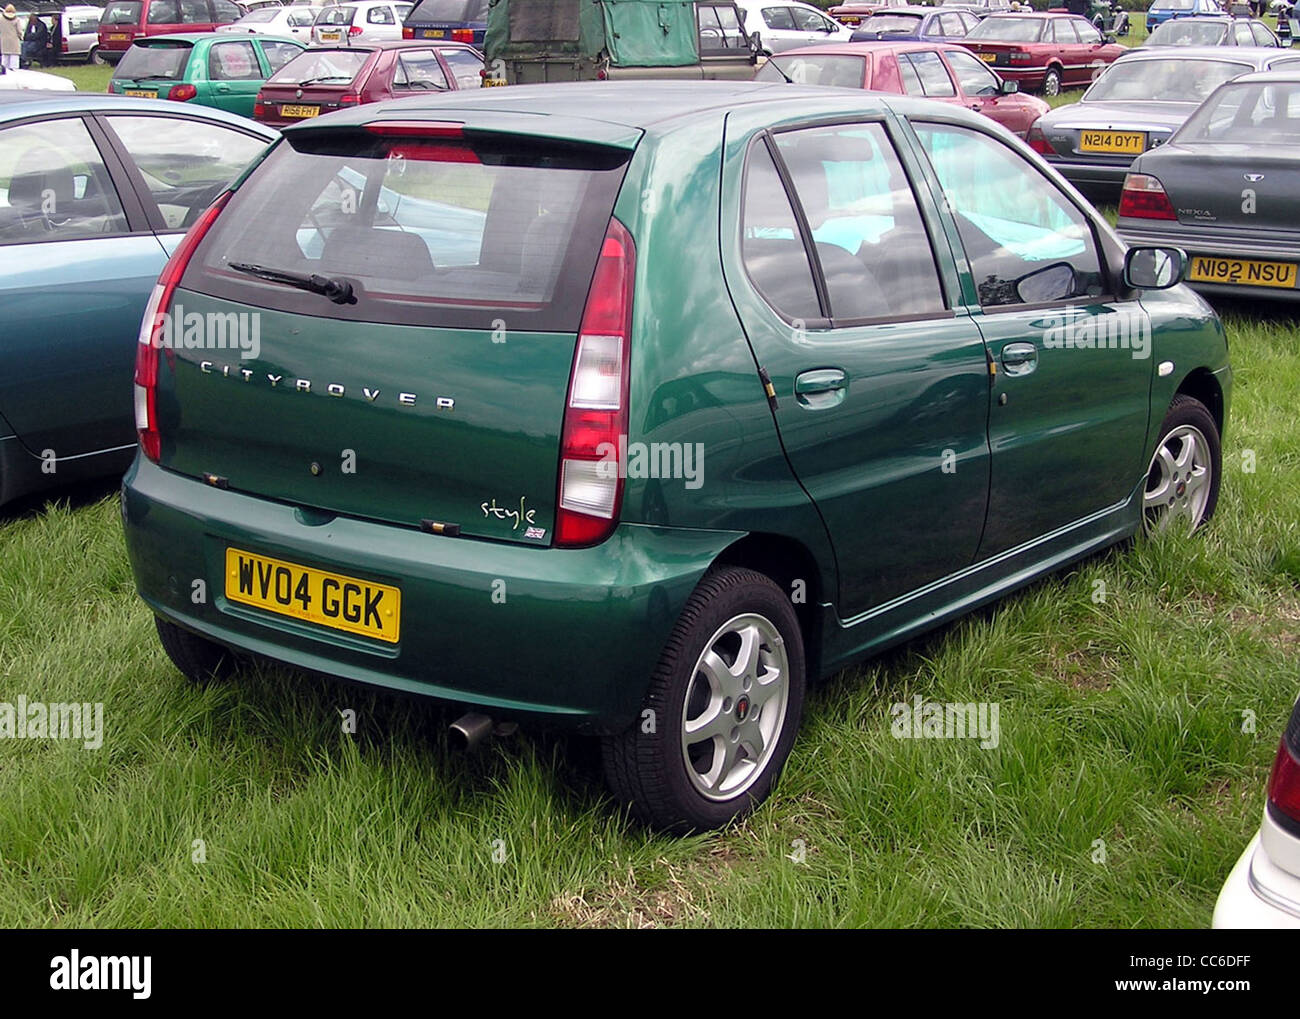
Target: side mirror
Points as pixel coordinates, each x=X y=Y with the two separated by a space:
x=1053 y=282
x=1008 y=88
x=755 y=44
x=1154 y=268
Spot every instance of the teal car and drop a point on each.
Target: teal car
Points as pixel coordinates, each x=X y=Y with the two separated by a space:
x=202 y=68
x=96 y=191
x=637 y=409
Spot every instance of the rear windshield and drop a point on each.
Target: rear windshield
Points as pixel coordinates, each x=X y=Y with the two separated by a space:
x=900 y=24
x=810 y=69
x=321 y=67
x=428 y=231
x=1005 y=28
x=259 y=16
x=125 y=13
x=1187 y=33
x=335 y=15
x=153 y=61
x=449 y=11
x=1176 y=80
x=1251 y=114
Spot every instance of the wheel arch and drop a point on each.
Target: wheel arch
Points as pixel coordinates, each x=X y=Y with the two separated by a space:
x=1200 y=384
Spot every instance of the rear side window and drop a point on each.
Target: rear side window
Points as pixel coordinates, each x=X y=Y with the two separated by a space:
x=233 y=61
x=54 y=184
x=419 y=71
x=931 y=73
x=466 y=67
x=426 y=229
x=771 y=244
x=163 y=12
x=279 y=53
x=336 y=15
x=871 y=242
x=127 y=13
x=379 y=16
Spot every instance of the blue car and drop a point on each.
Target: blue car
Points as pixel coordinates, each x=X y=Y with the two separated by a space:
x=1166 y=10
x=454 y=20
x=96 y=191
x=919 y=24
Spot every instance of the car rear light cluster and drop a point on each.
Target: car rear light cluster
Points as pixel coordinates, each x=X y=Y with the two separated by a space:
x=1144 y=197
x=596 y=413
x=1020 y=57
x=151 y=330
x=408 y=33
x=1284 y=783
x=182 y=93
x=1037 y=141
x=349 y=99
x=354 y=30
x=462 y=35
x=259 y=108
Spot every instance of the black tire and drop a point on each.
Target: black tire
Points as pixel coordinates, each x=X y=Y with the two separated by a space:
x=1185 y=412
x=648 y=772
x=1052 y=82
x=93 y=57
x=199 y=659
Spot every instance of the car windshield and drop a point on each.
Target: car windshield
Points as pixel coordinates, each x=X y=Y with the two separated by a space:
x=325 y=66
x=1173 y=80
x=1008 y=29
x=1255 y=114
x=1187 y=33
x=260 y=16
x=897 y=24
x=1172 y=5
x=127 y=13
x=153 y=61
x=845 y=72
x=335 y=15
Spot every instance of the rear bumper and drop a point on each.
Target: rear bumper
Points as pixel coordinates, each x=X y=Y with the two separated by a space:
x=1096 y=174
x=570 y=636
x=1221 y=243
x=1258 y=895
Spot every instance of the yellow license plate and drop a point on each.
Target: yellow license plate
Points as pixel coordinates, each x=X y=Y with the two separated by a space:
x=1127 y=143
x=314 y=596
x=141 y=94
x=1246 y=272
x=290 y=110
x=493 y=82
x=331 y=36
x=434 y=33
x=119 y=37
x=988 y=58
x=850 y=20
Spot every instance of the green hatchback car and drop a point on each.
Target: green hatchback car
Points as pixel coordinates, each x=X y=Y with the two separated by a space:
x=636 y=409
x=204 y=68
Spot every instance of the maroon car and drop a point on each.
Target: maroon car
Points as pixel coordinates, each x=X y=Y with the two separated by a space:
x=928 y=70
x=1043 y=51
x=327 y=78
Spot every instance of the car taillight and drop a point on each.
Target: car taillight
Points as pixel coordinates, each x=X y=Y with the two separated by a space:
x=1020 y=57
x=349 y=99
x=354 y=30
x=151 y=331
x=408 y=33
x=1144 y=197
x=596 y=414
x=259 y=107
x=462 y=35
x=1037 y=141
x=182 y=93
x=1284 y=782
x=65 y=46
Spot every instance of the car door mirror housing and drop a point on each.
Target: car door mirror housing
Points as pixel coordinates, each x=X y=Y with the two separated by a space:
x=1053 y=282
x=1154 y=268
x=1008 y=88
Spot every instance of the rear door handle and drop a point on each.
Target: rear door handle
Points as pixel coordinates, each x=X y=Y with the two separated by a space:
x=1019 y=358
x=223 y=88
x=820 y=388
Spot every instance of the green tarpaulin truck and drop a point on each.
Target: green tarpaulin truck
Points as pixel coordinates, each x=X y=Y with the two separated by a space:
x=532 y=41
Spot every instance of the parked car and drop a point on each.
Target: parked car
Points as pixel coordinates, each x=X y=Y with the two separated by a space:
x=785 y=25
x=452 y=20
x=1263 y=890
x=760 y=277
x=324 y=79
x=79 y=33
x=95 y=191
x=206 y=69
x=28 y=80
x=1225 y=189
x=619 y=39
x=124 y=21
x=1042 y=51
x=283 y=22
x=1136 y=104
x=1166 y=10
x=1212 y=30
x=367 y=21
x=983 y=8
x=949 y=74
x=924 y=24
x=852 y=14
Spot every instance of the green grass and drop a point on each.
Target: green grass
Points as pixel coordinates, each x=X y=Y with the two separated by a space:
x=1121 y=721
x=87 y=77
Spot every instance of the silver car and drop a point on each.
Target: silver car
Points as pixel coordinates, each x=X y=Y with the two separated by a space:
x=786 y=25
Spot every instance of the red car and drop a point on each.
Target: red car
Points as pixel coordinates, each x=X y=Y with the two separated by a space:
x=854 y=14
x=1043 y=51
x=326 y=78
x=124 y=21
x=945 y=72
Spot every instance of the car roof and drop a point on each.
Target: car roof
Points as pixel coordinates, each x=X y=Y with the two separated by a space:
x=1275 y=77
x=865 y=46
x=394 y=44
x=1204 y=52
x=20 y=104
x=907 y=9
x=1033 y=14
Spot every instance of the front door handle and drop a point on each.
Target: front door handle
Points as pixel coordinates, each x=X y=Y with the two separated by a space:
x=1019 y=358
x=820 y=388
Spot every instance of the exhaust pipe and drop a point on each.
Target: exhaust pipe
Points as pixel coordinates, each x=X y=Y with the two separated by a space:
x=468 y=731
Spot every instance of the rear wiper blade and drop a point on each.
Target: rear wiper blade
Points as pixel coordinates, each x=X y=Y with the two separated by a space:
x=316 y=81
x=337 y=290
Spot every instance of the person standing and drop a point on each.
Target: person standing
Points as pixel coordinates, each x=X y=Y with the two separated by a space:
x=35 y=41
x=11 y=39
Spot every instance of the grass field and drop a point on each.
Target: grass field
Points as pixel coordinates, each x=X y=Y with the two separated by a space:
x=1128 y=778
